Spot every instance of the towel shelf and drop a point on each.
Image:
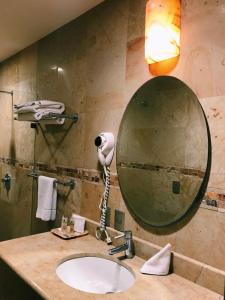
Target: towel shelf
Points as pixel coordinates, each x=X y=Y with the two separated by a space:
x=70 y=183
x=53 y=116
x=73 y=117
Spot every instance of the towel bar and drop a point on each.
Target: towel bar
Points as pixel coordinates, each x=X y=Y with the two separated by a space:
x=70 y=183
x=73 y=117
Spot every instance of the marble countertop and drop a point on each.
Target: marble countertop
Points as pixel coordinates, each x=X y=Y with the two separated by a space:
x=34 y=258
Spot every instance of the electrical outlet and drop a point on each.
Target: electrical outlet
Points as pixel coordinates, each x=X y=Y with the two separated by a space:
x=119 y=220
x=176 y=187
x=33 y=125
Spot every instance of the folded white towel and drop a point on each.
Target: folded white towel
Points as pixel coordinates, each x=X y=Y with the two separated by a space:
x=33 y=118
x=158 y=264
x=30 y=103
x=47 y=195
x=39 y=104
x=27 y=117
x=35 y=108
x=40 y=111
x=40 y=114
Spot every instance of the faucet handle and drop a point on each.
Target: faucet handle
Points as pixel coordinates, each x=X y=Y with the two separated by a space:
x=127 y=234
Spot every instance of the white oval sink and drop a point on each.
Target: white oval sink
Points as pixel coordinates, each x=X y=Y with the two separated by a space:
x=95 y=273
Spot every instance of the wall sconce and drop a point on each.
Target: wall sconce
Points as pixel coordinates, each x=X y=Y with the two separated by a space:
x=162 y=31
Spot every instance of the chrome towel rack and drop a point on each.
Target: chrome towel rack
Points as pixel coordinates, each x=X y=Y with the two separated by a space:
x=73 y=117
x=70 y=182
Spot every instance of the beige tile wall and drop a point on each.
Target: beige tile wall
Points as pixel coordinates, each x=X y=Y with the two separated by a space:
x=102 y=57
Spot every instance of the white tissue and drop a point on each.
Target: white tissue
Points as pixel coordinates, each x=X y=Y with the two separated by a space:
x=158 y=264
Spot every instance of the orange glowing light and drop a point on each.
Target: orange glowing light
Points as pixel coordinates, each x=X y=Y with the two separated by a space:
x=162 y=30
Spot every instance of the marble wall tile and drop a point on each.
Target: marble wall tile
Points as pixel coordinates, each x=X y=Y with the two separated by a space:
x=201 y=62
x=136 y=21
x=9 y=73
x=22 y=141
x=15 y=204
x=106 y=50
x=90 y=200
x=25 y=90
x=201 y=238
x=214 y=109
x=62 y=145
x=61 y=69
x=137 y=72
x=27 y=71
x=6 y=123
x=19 y=75
x=115 y=202
x=211 y=280
x=186 y=269
x=69 y=200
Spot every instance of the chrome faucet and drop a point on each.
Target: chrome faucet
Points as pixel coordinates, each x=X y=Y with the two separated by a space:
x=128 y=246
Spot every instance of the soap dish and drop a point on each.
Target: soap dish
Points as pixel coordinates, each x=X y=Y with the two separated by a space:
x=67 y=235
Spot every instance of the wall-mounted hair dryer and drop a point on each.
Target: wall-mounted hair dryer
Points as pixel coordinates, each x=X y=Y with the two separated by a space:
x=105 y=143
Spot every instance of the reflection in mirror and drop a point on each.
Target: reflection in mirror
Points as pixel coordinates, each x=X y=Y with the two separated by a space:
x=162 y=151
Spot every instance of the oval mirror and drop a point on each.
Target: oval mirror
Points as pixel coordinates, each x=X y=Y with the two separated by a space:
x=162 y=151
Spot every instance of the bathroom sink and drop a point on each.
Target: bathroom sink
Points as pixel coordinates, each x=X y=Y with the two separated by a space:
x=95 y=273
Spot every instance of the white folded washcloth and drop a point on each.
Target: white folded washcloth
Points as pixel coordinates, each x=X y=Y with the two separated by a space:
x=47 y=195
x=158 y=264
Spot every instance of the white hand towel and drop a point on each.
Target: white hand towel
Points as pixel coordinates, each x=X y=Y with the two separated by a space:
x=47 y=195
x=158 y=264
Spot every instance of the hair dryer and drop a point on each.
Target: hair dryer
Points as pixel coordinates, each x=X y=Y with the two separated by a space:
x=105 y=143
